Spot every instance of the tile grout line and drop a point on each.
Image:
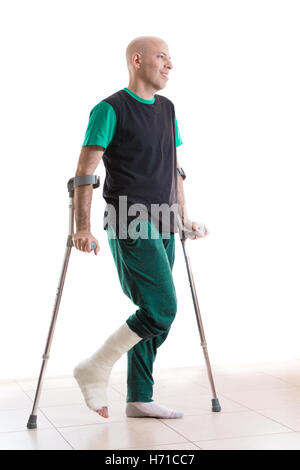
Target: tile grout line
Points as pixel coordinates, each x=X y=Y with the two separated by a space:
x=282 y=380
x=169 y=427
x=116 y=390
x=73 y=448
x=259 y=413
x=56 y=429
x=246 y=437
x=237 y=402
x=118 y=422
x=26 y=392
x=238 y=437
x=48 y=419
x=275 y=421
x=169 y=444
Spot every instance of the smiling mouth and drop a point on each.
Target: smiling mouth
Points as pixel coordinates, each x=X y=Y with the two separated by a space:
x=165 y=74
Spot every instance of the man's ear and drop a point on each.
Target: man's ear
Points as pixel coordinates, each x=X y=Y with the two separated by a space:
x=137 y=60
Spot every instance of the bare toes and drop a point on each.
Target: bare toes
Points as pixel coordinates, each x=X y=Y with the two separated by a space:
x=103 y=412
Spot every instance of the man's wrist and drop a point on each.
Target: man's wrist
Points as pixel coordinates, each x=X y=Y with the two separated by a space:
x=184 y=215
x=84 y=229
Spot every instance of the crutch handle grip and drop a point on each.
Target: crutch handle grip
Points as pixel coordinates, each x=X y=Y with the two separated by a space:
x=70 y=243
x=196 y=234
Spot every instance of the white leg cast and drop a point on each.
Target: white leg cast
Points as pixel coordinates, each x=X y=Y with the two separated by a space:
x=93 y=373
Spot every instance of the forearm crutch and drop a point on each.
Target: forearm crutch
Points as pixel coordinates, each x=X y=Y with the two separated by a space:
x=72 y=183
x=183 y=237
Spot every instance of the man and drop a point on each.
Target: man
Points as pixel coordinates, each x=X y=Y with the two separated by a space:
x=135 y=131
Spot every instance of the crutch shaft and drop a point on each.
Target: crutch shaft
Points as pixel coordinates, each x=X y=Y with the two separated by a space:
x=33 y=417
x=199 y=322
x=216 y=406
x=51 y=329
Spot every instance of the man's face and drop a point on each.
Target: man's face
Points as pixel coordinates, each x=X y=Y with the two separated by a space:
x=155 y=65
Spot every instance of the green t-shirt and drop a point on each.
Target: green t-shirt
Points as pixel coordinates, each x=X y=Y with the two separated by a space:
x=103 y=121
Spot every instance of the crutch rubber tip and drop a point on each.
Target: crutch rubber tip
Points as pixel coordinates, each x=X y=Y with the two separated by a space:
x=215 y=404
x=32 y=422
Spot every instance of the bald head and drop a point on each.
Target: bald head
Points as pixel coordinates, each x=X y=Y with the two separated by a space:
x=148 y=63
x=142 y=45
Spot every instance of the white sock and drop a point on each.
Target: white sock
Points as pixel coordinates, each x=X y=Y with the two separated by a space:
x=93 y=373
x=137 y=409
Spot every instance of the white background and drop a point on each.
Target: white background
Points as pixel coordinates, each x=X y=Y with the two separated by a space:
x=235 y=86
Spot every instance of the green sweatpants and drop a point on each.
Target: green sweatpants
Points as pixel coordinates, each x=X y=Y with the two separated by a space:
x=144 y=267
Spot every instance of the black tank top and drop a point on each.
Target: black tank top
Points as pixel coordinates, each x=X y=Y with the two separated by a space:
x=140 y=160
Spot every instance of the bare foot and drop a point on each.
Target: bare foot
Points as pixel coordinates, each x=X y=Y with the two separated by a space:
x=103 y=412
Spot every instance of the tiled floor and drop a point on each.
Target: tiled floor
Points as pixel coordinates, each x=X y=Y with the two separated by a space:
x=260 y=410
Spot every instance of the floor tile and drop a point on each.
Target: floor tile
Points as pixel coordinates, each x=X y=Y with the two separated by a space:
x=167 y=382
x=182 y=446
x=285 y=441
x=248 y=381
x=187 y=372
x=45 y=439
x=289 y=375
x=187 y=392
x=183 y=375
x=16 y=420
x=80 y=414
x=63 y=382
x=67 y=396
x=224 y=425
x=260 y=410
x=196 y=404
x=136 y=432
x=120 y=387
x=288 y=416
x=279 y=367
x=13 y=398
x=263 y=399
x=189 y=386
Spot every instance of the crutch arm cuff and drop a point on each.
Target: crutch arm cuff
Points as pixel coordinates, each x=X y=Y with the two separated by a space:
x=86 y=179
x=82 y=180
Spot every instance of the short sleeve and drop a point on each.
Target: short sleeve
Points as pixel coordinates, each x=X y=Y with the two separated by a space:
x=177 y=134
x=101 y=126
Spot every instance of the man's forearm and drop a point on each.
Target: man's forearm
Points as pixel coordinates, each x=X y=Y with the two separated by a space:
x=82 y=206
x=181 y=200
